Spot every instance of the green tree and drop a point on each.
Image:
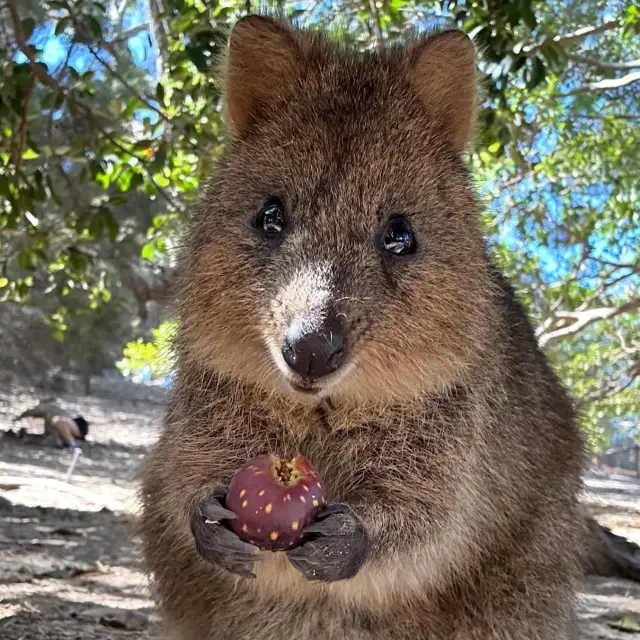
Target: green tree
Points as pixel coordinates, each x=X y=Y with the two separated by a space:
x=103 y=147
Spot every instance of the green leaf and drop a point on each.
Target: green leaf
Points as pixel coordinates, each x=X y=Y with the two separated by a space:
x=160 y=92
x=30 y=154
x=159 y=157
x=95 y=27
x=115 y=107
x=132 y=105
x=148 y=251
x=197 y=56
x=528 y=16
x=124 y=180
x=28 y=25
x=3 y=282
x=112 y=227
x=537 y=73
x=136 y=180
x=26 y=260
x=77 y=260
x=62 y=25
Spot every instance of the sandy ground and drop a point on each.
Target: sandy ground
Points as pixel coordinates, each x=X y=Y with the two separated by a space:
x=69 y=564
x=68 y=560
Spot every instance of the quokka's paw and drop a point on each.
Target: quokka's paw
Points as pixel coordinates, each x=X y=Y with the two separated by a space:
x=335 y=546
x=216 y=543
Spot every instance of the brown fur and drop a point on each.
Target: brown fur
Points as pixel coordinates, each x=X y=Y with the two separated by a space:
x=447 y=432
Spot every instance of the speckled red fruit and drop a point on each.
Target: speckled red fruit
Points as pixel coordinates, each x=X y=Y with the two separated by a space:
x=274 y=500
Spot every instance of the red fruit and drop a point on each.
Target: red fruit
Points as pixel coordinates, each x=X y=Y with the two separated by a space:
x=274 y=500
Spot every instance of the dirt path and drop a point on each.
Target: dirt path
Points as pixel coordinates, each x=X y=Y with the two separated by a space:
x=69 y=564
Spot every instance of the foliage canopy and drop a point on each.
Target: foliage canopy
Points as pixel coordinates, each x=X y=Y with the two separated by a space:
x=110 y=120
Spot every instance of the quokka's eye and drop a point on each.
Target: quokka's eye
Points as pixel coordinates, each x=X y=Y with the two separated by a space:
x=398 y=237
x=271 y=220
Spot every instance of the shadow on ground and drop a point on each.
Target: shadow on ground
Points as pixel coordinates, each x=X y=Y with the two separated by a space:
x=70 y=574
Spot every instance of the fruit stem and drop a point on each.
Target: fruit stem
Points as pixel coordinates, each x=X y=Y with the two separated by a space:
x=285 y=472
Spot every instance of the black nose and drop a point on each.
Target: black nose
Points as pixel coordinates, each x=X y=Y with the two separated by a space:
x=317 y=354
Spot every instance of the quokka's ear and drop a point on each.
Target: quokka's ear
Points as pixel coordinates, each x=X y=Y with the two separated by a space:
x=442 y=70
x=259 y=70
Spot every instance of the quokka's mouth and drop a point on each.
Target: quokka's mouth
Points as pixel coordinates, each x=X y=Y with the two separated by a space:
x=321 y=387
x=306 y=388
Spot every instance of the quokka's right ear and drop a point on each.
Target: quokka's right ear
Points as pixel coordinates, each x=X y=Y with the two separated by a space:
x=259 y=70
x=443 y=72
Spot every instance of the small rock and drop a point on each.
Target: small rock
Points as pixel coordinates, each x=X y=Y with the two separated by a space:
x=116 y=618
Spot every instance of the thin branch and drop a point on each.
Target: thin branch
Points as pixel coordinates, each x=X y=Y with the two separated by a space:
x=377 y=22
x=602 y=85
x=19 y=143
x=579 y=320
x=608 y=116
x=512 y=182
x=576 y=36
x=565 y=283
x=617 y=265
x=609 y=390
x=121 y=9
x=605 y=283
x=130 y=153
x=60 y=74
x=124 y=82
x=584 y=32
x=39 y=69
x=130 y=33
x=627 y=349
x=607 y=66
x=160 y=31
x=47 y=79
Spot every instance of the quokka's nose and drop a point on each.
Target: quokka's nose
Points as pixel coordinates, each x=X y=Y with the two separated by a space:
x=317 y=354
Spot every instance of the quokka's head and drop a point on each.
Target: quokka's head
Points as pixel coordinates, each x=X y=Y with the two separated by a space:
x=336 y=251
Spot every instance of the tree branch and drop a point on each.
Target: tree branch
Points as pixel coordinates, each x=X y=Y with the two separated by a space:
x=607 y=66
x=512 y=182
x=124 y=82
x=134 y=31
x=130 y=153
x=377 y=23
x=121 y=9
x=579 y=320
x=21 y=138
x=606 y=283
x=50 y=81
x=584 y=32
x=576 y=36
x=39 y=69
x=602 y=85
x=159 y=30
x=608 y=116
x=609 y=390
x=635 y=266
